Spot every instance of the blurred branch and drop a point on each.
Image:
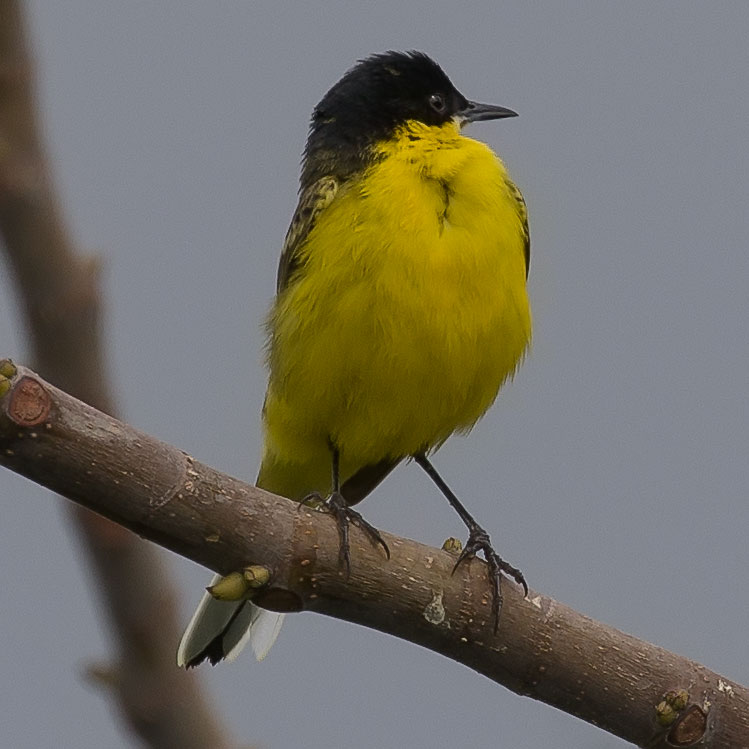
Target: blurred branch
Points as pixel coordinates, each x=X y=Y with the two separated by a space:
x=544 y=650
x=59 y=292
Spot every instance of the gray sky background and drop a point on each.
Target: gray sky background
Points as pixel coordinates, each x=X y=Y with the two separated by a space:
x=613 y=470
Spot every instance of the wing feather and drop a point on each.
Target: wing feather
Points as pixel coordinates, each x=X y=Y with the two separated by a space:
x=312 y=202
x=523 y=214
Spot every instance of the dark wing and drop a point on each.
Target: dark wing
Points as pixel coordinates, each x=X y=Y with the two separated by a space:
x=313 y=200
x=523 y=214
x=356 y=487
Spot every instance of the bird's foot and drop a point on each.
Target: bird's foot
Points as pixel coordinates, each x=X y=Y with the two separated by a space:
x=345 y=516
x=478 y=540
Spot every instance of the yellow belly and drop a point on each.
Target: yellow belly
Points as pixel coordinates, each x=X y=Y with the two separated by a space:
x=409 y=315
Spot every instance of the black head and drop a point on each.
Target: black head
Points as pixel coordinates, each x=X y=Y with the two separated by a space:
x=376 y=96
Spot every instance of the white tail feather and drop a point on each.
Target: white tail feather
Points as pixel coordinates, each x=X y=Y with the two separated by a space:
x=235 y=627
x=265 y=630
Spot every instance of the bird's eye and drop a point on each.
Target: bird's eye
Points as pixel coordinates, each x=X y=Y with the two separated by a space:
x=437 y=103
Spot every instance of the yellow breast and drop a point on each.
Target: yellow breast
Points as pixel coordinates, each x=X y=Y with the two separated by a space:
x=411 y=310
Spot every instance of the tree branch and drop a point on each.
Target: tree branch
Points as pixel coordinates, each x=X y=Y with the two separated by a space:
x=544 y=650
x=59 y=294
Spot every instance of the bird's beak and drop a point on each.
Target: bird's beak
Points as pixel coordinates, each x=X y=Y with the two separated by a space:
x=475 y=112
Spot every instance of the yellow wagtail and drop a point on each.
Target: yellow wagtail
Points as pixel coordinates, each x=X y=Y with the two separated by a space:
x=401 y=309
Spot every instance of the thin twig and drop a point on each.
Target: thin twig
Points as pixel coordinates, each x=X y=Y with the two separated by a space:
x=59 y=293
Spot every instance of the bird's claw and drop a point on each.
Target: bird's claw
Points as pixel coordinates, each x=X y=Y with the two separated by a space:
x=478 y=540
x=345 y=516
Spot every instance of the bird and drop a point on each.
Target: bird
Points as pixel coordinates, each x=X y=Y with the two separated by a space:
x=401 y=309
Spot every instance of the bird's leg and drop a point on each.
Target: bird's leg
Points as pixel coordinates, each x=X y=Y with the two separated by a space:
x=344 y=516
x=478 y=540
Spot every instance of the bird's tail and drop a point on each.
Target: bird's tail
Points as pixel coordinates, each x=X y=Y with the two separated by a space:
x=220 y=630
